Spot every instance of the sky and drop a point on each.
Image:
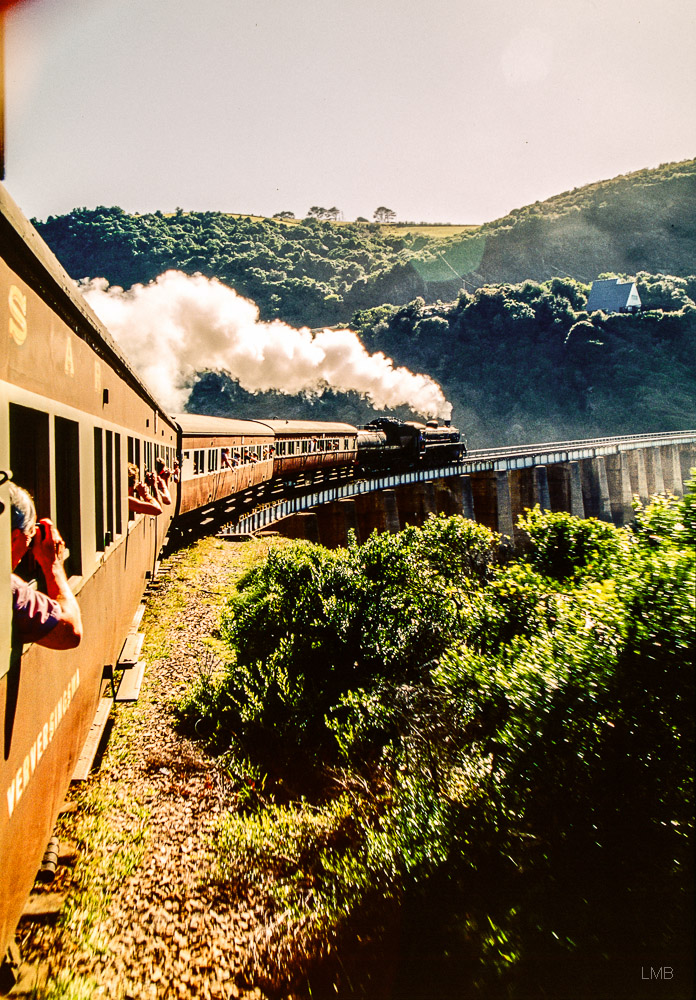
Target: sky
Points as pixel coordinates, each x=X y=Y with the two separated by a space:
x=441 y=110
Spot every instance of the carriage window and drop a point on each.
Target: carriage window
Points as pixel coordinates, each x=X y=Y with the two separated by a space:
x=117 y=482
x=212 y=459
x=67 y=450
x=198 y=462
x=109 y=486
x=148 y=456
x=29 y=455
x=99 y=490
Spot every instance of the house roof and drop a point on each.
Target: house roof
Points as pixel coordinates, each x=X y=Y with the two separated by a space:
x=612 y=295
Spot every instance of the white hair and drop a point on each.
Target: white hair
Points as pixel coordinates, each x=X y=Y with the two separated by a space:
x=23 y=510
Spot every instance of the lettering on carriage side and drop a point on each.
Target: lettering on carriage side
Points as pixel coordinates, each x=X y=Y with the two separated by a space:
x=17 y=303
x=69 y=364
x=25 y=771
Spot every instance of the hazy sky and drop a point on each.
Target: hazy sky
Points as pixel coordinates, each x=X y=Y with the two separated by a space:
x=442 y=110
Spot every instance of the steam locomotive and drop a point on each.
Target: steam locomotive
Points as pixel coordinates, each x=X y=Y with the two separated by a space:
x=395 y=444
x=73 y=414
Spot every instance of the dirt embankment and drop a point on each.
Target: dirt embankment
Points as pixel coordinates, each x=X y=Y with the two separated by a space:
x=141 y=920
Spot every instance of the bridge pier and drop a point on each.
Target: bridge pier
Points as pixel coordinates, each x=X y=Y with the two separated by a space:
x=542 y=496
x=687 y=461
x=302 y=526
x=595 y=488
x=526 y=488
x=521 y=489
x=377 y=512
x=565 y=488
x=350 y=515
x=577 y=504
x=653 y=469
x=639 y=478
x=671 y=470
x=484 y=493
x=332 y=527
x=506 y=524
x=415 y=501
x=466 y=497
x=620 y=493
x=445 y=502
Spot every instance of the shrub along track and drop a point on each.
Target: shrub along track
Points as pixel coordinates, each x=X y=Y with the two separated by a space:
x=140 y=919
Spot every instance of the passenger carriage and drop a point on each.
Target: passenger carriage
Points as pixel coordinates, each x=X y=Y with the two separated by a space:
x=221 y=457
x=73 y=413
x=303 y=446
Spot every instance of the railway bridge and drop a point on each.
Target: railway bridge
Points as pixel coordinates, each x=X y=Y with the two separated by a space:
x=597 y=477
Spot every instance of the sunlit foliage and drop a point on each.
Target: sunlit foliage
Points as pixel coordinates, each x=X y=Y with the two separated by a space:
x=496 y=752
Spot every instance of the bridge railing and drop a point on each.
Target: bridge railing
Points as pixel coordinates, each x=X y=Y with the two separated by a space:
x=507 y=458
x=552 y=452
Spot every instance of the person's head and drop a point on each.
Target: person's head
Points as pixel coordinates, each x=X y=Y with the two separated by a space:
x=133 y=476
x=159 y=466
x=23 y=522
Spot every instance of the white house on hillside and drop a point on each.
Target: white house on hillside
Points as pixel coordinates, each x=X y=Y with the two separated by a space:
x=612 y=295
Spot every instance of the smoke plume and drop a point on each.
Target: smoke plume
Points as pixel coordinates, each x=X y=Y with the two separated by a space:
x=179 y=324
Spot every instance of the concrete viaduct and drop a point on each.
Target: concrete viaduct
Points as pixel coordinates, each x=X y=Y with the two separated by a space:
x=591 y=478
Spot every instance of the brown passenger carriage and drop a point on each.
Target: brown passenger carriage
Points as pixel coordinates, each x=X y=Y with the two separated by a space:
x=303 y=446
x=221 y=457
x=72 y=414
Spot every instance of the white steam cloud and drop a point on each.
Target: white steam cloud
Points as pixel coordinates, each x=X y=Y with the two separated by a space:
x=179 y=324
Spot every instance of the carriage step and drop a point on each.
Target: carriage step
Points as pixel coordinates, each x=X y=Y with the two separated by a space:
x=137 y=618
x=89 y=750
x=130 y=652
x=129 y=688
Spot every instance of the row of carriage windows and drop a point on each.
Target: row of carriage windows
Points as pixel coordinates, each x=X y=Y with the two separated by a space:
x=30 y=445
x=207 y=460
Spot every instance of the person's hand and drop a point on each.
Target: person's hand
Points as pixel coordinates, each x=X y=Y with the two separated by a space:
x=47 y=546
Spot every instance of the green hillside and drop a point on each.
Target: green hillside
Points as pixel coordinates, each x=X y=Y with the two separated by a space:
x=316 y=273
x=643 y=221
x=496 y=315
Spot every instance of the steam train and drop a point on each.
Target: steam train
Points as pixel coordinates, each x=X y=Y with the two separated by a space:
x=73 y=414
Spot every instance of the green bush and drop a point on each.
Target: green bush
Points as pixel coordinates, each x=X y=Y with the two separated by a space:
x=505 y=747
x=569 y=548
x=308 y=626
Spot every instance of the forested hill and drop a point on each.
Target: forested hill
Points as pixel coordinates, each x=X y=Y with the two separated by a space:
x=513 y=348
x=315 y=273
x=643 y=221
